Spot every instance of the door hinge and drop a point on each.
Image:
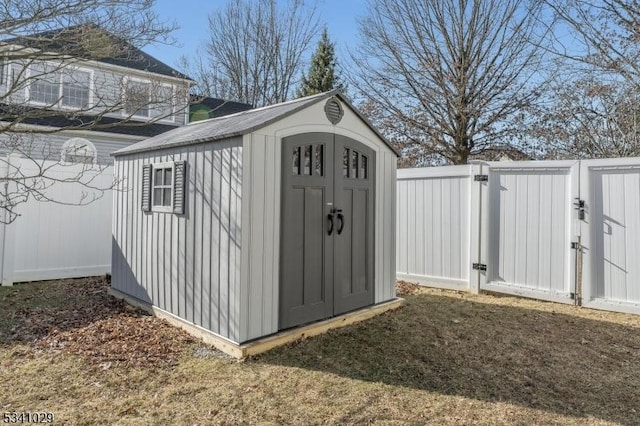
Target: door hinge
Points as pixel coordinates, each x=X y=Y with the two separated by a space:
x=575 y=245
x=480 y=178
x=479 y=266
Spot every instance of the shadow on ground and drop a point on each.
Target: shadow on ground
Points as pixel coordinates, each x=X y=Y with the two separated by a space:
x=549 y=361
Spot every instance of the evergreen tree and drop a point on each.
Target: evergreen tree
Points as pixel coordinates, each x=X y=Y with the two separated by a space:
x=322 y=75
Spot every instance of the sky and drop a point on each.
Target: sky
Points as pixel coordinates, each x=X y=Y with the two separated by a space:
x=191 y=16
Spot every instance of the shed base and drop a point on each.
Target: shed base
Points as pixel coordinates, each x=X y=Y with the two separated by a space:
x=262 y=344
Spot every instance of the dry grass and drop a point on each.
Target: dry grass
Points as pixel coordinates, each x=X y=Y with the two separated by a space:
x=445 y=358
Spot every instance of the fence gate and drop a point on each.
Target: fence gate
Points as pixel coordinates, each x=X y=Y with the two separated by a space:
x=529 y=227
x=611 y=234
x=565 y=231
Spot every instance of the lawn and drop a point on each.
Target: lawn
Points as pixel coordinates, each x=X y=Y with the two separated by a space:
x=445 y=358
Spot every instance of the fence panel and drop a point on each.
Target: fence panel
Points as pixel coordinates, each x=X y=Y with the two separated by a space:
x=531 y=225
x=61 y=239
x=433 y=226
x=611 y=234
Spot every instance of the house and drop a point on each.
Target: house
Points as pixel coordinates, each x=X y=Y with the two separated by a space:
x=77 y=94
x=68 y=98
x=260 y=222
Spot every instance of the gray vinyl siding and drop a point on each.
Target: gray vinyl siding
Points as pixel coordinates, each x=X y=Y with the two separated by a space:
x=188 y=264
x=261 y=239
x=49 y=146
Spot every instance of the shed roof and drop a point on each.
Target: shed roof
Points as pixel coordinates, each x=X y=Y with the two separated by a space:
x=235 y=125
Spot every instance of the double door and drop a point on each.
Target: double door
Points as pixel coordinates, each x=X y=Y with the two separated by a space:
x=326 y=258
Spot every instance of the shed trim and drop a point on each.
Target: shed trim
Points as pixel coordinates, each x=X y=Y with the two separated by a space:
x=264 y=344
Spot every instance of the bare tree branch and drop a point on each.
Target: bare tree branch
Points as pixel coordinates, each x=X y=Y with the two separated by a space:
x=255 y=50
x=450 y=74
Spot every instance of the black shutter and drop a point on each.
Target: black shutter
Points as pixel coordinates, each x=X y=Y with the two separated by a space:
x=179 y=169
x=146 y=188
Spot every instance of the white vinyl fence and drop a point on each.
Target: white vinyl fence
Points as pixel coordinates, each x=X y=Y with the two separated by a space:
x=62 y=239
x=565 y=231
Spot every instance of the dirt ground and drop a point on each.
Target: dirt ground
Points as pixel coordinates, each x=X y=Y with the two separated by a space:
x=68 y=348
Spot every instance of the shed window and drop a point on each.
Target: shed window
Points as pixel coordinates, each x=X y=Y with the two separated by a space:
x=308 y=160
x=354 y=165
x=163 y=187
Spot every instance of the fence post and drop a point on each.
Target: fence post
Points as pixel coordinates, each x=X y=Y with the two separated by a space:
x=478 y=227
x=474 y=229
x=8 y=242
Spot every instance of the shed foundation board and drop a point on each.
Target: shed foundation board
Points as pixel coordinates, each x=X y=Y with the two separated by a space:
x=264 y=344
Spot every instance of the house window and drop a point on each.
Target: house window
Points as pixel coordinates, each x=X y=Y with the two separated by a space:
x=145 y=99
x=162 y=186
x=45 y=89
x=163 y=100
x=68 y=88
x=75 y=89
x=79 y=151
x=137 y=98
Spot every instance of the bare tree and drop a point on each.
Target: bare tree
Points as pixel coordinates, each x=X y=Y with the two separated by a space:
x=255 y=50
x=589 y=118
x=592 y=108
x=601 y=35
x=43 y=89
x=450 y=74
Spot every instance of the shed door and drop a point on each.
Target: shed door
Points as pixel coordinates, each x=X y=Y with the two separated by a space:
x=327 y=227
x=353 y=243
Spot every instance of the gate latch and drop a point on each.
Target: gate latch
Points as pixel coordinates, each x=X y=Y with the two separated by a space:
x=580 y=206
x=479 y=266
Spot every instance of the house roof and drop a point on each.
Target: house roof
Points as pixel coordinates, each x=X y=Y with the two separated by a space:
x=31 y=115
x=71 y=121
x=219 y=107
x=73 y=41
x=236 y=124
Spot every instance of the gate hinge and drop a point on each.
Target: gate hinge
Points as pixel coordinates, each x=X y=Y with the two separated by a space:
x=479 y=266
x=480 y=178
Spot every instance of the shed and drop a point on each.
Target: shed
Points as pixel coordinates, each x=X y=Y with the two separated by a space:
x=240 y=227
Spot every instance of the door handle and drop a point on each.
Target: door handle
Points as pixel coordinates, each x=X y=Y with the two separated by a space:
x=341 y=220
x=330 y=217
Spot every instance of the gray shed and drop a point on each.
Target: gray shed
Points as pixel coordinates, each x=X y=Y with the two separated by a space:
x=243 y=226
